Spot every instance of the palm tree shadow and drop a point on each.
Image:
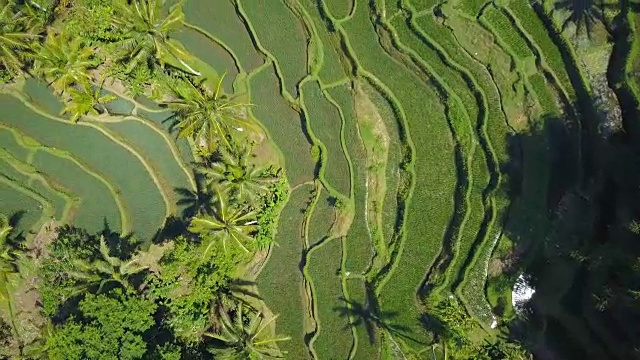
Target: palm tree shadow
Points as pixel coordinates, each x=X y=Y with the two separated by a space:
x=14 y=220
x=369 y=315
x=585 y=13
x=238 y=291
x=242 y=287
x=119 y=245
x=195 y=201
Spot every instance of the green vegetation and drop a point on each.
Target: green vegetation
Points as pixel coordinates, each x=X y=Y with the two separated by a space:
x=319 y=179
x=326 y=124
x=333 y=339
x=280 y=282
x=288 y=47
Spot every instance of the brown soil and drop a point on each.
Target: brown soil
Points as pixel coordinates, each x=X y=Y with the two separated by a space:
x=254 y=267
x=152 y=256
x=375 y=137
x=266 y=154
x=45 y=236
x=342 y=223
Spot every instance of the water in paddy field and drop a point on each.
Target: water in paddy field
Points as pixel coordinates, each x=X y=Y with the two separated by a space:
x=141 y=200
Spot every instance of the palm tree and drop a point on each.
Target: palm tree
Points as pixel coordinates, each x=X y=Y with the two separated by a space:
x=146 y=35
x=106 y=270
x=226 y=224
x=8 y=259
x=236 y=291
x=16 y=36
x=87 y=101
x=5 y=229
x=64 y=60
x=235 y=172
x=9 y=273
x=241 y=338
x=206 y=115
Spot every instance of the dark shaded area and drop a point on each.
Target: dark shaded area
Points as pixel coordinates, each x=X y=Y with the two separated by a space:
x=14 y=221
x=374 y=319
x=617 y=77
x=577 y=238
x=585 y=13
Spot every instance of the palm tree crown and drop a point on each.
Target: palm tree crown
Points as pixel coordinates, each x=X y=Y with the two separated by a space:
x=206 y=115
x=235 y=172
x=87 y=101
x=65 y=60
x=16 y=35
x=8 y=254
x=146 y=35
x=106 y=270
x=243 y=338
x=226 y=224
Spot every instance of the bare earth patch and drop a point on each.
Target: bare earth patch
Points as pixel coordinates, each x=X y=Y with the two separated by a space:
x=375 y=137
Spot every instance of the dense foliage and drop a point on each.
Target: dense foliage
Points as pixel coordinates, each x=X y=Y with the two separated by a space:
x=530 y=169
x=110 y=296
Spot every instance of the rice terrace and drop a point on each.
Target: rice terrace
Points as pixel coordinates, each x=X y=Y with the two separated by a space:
x=320 y=179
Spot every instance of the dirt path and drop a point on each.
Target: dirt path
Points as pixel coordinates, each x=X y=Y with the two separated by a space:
x=375 y=138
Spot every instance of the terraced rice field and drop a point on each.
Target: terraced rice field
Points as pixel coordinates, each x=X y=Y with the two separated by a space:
x=423 y=188
x=121 y=173
x=411 y=149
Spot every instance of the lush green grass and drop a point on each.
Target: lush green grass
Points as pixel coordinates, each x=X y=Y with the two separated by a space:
x=340 y=8
x=484 y=47
x=435 y=175
x=280 y=282
x=283 y=124
x=463 y=114
x=114 y=163
x=322 y=218
x=368 y=343
x=492 y=131
x=475 y=226
x=543 y=93
x=391 y=8
x=533 y=26
x=326 y=124
x=332 y=68
x=438 y=64
x=211 y=53
x=334 y=338
x=9 y=171
x=421 y=5
x=358 y=245
x=632 y=63
x=503 y=29
x=156 y=152
x=394 y=159
x=57 y=200
x=283 y=35
x=470 y=7
x=219 y=18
